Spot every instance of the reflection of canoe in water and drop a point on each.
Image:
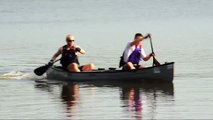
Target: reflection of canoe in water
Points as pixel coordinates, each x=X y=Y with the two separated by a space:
x=163 y=87
x=164 y=72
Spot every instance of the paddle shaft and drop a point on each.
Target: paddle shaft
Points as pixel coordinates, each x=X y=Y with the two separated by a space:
x=151 y=44
x=155 y=62
x=56 y=61
x=41 y=70
x=151 y=48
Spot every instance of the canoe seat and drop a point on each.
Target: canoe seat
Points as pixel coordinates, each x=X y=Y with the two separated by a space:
x=111 y=68
x=101 y=68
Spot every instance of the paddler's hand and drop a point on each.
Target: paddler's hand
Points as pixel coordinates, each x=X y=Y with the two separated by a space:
x=50 y=63
x=152 y=54
x=78 y=49
x=147 y=36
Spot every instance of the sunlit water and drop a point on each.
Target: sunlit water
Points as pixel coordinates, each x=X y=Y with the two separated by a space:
x=31 y=31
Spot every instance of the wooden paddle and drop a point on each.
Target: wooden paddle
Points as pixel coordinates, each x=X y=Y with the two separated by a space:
x=155 y=62
x=41 y=70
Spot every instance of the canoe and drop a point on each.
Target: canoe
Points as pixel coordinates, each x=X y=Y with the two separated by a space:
x=163 y=72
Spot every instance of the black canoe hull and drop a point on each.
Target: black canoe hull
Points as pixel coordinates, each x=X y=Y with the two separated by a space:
x=164 y=72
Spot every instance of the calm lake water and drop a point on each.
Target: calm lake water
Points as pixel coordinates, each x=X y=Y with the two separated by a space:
x=31 y=31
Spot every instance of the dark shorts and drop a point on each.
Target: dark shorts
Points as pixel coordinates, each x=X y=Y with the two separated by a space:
x=66 y=65
x=81 y=68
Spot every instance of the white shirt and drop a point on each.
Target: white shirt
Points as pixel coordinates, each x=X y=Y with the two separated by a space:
x=129 y=49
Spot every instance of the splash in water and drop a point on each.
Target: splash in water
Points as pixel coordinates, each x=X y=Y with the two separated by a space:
x=18 y=75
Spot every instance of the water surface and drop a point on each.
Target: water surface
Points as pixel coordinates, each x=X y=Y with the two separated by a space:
x=31 y=31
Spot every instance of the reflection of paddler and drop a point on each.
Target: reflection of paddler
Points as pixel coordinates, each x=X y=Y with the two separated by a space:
x=133 y=97
x=70 y=94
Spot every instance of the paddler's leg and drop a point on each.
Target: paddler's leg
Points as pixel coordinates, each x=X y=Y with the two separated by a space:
x=130 y=66
x=141 y=67
x=88 y=67
x=73 y=67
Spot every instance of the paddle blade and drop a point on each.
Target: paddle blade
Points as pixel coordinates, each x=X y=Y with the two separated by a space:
x=41 y=70
x=155 y=62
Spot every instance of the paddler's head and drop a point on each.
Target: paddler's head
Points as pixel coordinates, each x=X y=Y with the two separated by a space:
x=138 y=38
x=70 y=40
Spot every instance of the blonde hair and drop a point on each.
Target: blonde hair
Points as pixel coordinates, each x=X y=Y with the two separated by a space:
x=69 y=36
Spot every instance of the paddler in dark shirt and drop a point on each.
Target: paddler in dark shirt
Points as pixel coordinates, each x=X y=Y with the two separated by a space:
x=69 y=58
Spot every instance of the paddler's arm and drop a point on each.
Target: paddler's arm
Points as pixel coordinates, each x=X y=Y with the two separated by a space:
x=148 y=57
x=56 y=54
x=144 y=56
x=80 y=50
